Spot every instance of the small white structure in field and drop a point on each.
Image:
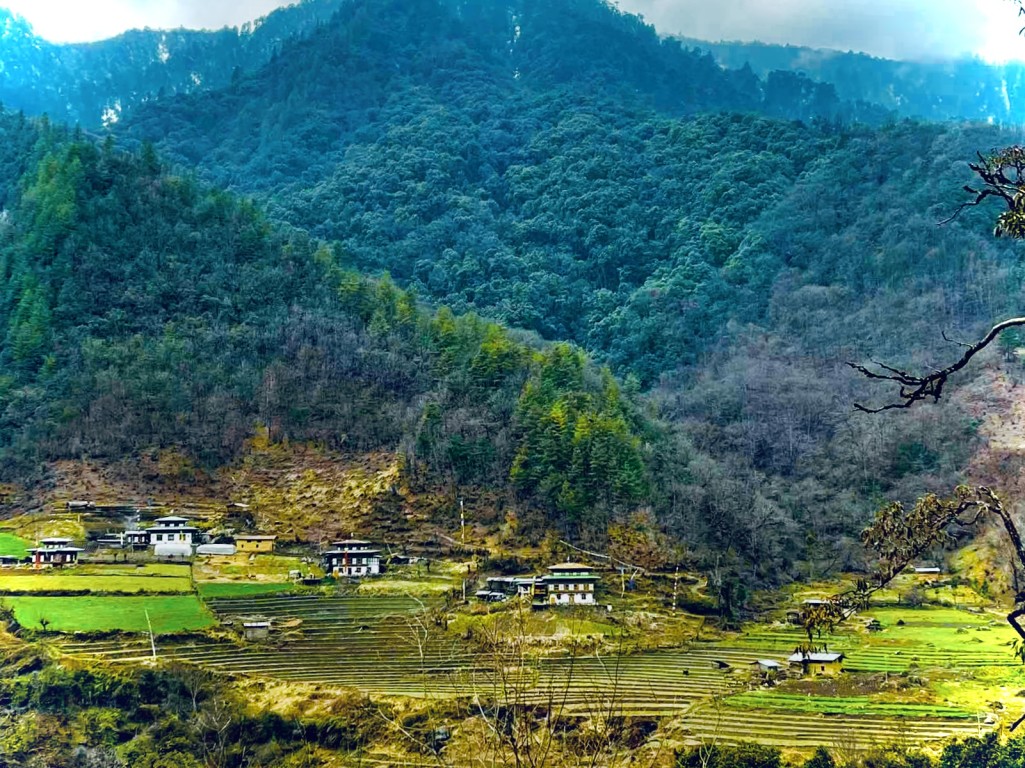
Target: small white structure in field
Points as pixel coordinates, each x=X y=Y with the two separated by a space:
x=215 y=549
x=570 y=584
x=353 y=557
x=54 y=553
x=256 y=630
x=177 y=550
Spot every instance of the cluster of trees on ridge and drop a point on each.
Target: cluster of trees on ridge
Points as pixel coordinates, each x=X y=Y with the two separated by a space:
x=142 y=310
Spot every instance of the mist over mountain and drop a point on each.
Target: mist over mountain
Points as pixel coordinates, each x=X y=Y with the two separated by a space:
x=957 y=89
x=95 y=84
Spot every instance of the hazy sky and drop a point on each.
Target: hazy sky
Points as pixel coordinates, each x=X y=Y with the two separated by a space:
x=891 y=28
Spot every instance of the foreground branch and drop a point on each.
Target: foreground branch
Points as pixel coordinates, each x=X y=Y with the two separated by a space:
x=915 y=388
x=901 y=536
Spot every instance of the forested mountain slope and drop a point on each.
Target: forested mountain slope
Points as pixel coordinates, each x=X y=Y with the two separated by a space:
x=98 y=83
x=142 y=311
x=555 y=167
x=730 y=262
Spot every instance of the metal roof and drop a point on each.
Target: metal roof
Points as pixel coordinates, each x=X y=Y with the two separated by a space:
x=815 y=658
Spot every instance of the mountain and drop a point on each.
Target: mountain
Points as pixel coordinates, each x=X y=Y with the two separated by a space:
x=487 y=156
x=556 y=168
x=958 y=89
x=98 y=83
x=141 y=312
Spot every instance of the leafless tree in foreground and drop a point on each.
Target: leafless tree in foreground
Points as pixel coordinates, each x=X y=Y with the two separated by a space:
x=1002 y=177
x=900 y=536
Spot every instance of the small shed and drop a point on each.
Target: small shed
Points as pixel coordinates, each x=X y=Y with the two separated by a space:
x=137 y=539
x=256 y=630
x=255 y=543
x=816 y=663
x=9 y=561
x=766 y=666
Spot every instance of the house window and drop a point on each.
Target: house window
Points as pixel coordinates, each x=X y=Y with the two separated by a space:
x=822 y=668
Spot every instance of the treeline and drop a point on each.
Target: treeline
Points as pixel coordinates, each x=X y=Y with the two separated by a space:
x=989 y=751
x=98 y=83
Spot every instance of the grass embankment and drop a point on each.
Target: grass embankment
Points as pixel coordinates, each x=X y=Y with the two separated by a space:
x=88 y=613
x=13 y=546
x=214 y=589
x=35 y=527
x=840 y=705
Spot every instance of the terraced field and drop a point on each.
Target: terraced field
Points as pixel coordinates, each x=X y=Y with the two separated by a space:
x=384 y=645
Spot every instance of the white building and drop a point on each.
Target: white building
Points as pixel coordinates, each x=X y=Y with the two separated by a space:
x=570 y=584
x=172 y=530
x=353 y=557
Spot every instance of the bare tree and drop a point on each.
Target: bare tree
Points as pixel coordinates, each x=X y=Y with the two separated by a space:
x=1002 y=177
x=900 y=536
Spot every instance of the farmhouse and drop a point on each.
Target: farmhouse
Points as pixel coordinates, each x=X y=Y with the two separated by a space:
x=353 y=557
x=54 y=553
x=254 y=543
x=817 y=663
x=570 y=584
x=256 y=630
x=137 y=539
x=172 y=530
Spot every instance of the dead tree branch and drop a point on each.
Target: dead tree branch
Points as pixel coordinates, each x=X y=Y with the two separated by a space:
x=916 y=388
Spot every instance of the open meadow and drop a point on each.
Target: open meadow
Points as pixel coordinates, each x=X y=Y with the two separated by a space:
x=72 y=580
x=88 y=613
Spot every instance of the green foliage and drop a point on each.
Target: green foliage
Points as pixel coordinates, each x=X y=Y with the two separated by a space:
x=577 y=449
x=745 y=755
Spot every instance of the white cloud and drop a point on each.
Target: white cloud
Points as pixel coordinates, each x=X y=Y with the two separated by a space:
x=902 y=29
x=85 y=20
x=892 y=28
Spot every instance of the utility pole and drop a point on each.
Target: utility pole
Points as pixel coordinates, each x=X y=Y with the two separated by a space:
x=152 y=642
x=462 y=524
x=676 y=584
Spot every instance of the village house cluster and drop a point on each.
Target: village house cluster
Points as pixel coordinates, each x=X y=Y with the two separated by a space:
x=564 y=584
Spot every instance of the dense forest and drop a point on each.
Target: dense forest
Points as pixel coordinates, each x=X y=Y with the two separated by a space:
x=719 y=244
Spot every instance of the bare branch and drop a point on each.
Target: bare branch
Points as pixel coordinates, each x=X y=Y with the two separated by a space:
x=913 y=388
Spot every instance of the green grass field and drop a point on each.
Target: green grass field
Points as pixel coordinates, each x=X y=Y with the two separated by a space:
x=180 y=570
x=14 y=546
x=212 y=589
x=87 y=613
x=840 y=705
x=59 y=581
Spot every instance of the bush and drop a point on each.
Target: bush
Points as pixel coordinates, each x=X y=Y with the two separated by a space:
x=744 y=755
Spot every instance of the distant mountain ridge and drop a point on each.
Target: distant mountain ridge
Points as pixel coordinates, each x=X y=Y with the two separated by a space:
x=98 y=83
x=957 y=89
